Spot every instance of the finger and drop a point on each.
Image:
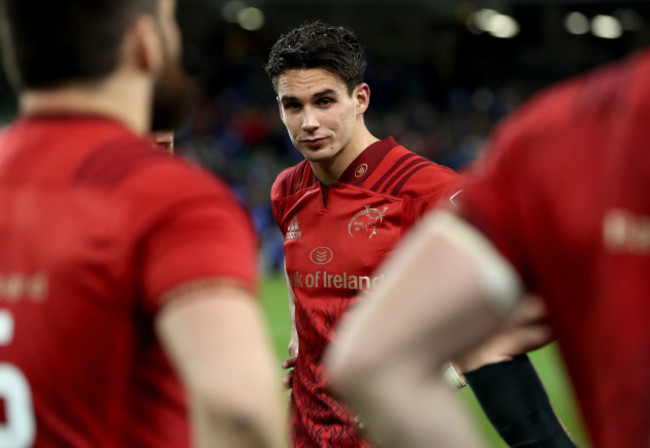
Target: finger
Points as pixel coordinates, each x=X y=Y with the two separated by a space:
x=531 y=311
x=536 y=337
x=289 y=363
x=287 y=380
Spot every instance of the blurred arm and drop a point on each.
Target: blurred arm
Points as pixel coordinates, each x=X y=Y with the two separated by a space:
x=526 y=329
x=446 y=290
x=218 y=341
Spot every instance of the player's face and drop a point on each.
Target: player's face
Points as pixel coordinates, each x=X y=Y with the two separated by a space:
x=321 y=116
x=172 y=91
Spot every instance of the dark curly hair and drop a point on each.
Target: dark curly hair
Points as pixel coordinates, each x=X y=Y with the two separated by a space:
x=318 y=45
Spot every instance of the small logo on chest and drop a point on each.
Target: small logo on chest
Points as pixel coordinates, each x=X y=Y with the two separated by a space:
x=293 y=231
x=361 y=170
x=366 y=222
x=321 y=255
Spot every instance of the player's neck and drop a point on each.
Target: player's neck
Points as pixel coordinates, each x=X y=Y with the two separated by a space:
x=329 y=171
x=124 y=100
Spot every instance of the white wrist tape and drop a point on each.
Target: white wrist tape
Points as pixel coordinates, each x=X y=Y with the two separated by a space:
x=501 y=282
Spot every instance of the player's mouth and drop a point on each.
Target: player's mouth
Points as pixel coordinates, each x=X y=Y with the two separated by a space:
x=314 y=143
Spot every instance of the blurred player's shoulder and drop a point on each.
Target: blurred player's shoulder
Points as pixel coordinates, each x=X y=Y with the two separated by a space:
x=173 y=178
x=617 y=87
x=134 y=163
x=292 y=180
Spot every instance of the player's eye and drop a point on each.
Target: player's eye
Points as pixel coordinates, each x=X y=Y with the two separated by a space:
x=292 y=106
x=325 y=101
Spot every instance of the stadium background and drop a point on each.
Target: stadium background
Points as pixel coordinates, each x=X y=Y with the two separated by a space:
x=441 y=73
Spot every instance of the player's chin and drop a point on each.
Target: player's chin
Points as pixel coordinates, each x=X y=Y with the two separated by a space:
x=318 y=154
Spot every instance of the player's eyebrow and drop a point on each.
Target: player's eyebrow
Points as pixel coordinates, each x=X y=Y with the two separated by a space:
x=324 y=92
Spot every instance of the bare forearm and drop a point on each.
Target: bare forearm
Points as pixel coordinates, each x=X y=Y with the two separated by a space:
x=234 y=429
x=388 y=358
x=244 y=412
x=404 y=409
x=217 y=340
x=525 y=330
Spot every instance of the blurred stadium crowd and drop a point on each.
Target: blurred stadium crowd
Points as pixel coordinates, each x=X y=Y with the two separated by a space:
x=438 y=82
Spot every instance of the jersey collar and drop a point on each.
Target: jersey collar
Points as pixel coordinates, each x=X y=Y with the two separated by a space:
x=366 y=162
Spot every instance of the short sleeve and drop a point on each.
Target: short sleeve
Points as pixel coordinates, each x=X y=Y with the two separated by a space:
x=440 y=188
x=199 y=231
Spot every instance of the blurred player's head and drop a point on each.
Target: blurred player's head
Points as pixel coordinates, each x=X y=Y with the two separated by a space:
x=53 y=44
x=318 y=45
x=317 y=72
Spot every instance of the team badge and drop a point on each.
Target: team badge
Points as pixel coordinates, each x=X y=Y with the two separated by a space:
x=361 y=170
x=366 y=222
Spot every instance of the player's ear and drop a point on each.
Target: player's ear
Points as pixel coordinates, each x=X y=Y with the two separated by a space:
x=147 y=44
x=362 y=97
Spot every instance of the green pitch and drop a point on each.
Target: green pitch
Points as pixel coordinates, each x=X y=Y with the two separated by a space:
x=546 y=361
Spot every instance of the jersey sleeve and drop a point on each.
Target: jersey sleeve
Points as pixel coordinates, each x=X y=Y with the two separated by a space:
x=277 y=194
x=442 y=188
x=285 y=185
x=198 y=232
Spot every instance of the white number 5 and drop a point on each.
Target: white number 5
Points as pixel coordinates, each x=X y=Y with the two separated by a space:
x=19 y=430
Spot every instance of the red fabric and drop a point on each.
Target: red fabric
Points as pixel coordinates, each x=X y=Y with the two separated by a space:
x=559 y=173
x=335 y=238
x=111 y=223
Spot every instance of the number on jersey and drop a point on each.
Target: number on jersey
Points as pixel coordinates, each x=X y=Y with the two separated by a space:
x=19 y=429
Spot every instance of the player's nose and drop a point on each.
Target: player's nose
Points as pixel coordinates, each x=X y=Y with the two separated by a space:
x=309 y=120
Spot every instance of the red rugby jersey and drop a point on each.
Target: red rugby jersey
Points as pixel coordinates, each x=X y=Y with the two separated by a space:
x=565 y=195
x=96 y=225
x=335 y=238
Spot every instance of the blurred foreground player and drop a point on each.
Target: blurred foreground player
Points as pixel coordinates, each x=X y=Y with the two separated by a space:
x=342 y=210
x=112 y=250
x=561 y=207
